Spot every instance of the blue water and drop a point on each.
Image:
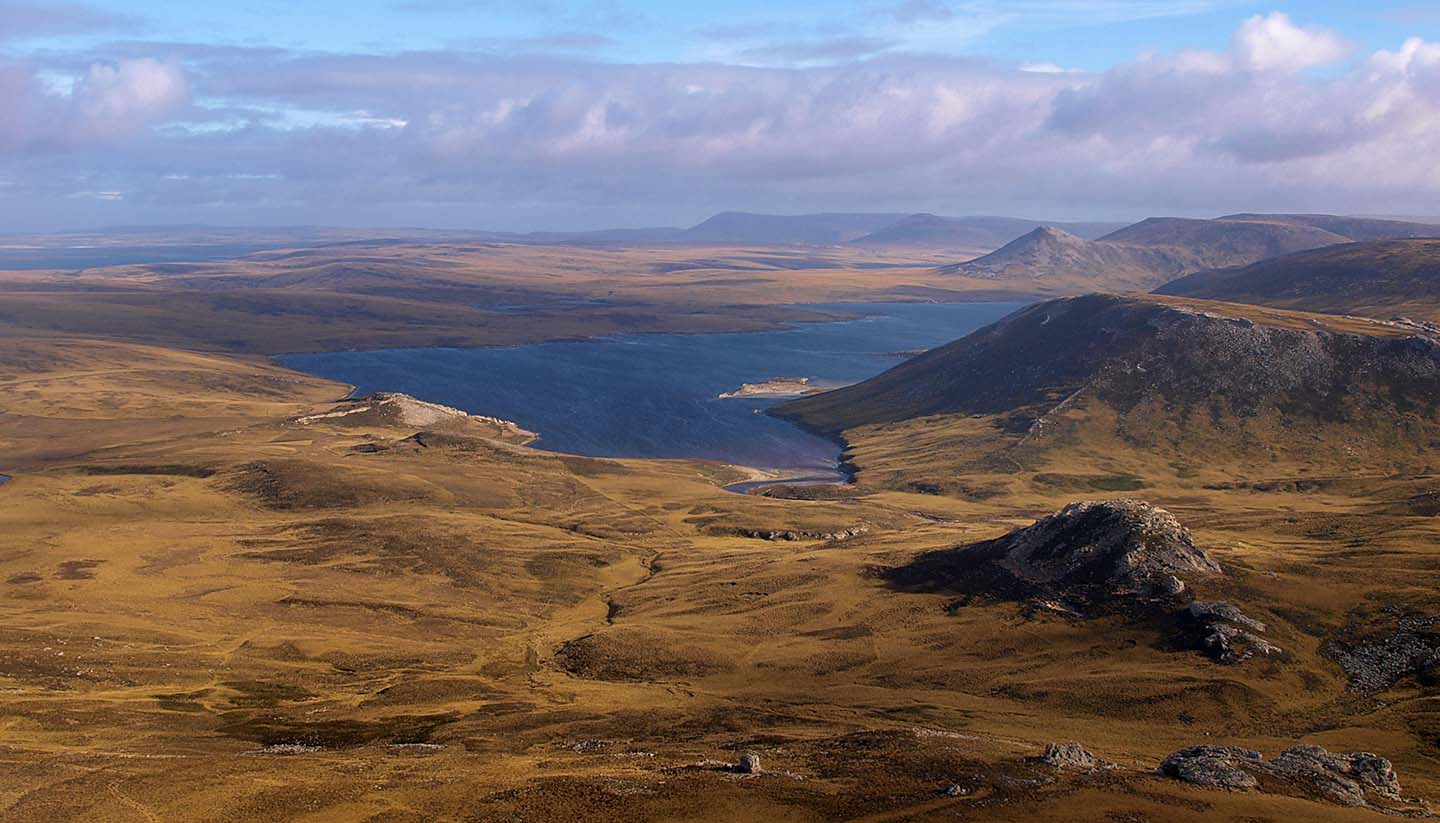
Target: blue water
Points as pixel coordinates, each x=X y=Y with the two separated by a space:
x=655 y=395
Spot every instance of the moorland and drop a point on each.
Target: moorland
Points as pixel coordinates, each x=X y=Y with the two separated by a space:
x=233 y=592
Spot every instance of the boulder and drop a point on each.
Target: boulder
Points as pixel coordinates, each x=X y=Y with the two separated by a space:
x=1089 y=555
x=1348 y=779
x=749 y=764
x=1222 y=767
x=1380 y=646
x=1070 y=755
x=1223 y=632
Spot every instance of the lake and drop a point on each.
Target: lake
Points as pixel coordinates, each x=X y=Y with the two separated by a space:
x=657 y=395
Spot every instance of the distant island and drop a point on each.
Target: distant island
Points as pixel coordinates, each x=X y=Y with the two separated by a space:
x=777 y=387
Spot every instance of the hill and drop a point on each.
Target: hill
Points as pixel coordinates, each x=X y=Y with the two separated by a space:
x=1149 y=253
x=934 y=231
x=785 y=229
x=1052 y=254
x=1380 y=278
x=228 y=588
x=1176 y=378
x=1354 y=228
x=1213 y=243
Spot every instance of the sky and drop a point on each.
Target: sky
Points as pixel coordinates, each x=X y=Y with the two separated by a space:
x=575 y=114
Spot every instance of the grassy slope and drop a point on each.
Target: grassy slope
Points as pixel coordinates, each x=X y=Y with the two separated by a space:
x=188 y=578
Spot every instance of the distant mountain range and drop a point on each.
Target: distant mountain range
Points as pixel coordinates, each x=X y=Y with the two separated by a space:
x=1057 y=256
x=878 y=230
x=1159 y=249
x=933 y=231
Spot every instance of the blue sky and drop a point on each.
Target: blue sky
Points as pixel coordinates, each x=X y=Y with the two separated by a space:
x=1083 y=34
x=555 y=114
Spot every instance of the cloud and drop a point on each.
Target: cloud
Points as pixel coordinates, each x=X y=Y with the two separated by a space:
x=828 y=50
x=1043 y=68
x=129 y=94
x=1273 y=43
x=486 y=137
x=23 y=18
x=111 y=101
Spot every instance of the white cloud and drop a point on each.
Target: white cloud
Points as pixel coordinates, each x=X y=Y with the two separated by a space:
x=1192 y=130
x=109 y=102
x=1273 y=43
x=1414 y=54
x=129 y=94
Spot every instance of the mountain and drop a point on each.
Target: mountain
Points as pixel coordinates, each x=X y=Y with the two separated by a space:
x=1353 y=228
x=872 y=230
x=1052 y=254
x=934 y=231
x=1158 y=249
x=1173 y=376
x=1380 y=278
x=1225 y=241
x=798 y=229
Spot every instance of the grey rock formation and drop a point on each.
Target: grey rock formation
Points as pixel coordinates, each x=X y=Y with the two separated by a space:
x=749 y=764
x=1378 y=647
x=1070 y=755
x=1093 y=554
x=1223 y=767
x=1351 y=779
x=1125 y=547
x=1223 y=632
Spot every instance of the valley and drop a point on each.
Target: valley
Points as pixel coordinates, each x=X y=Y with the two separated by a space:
x=236 y=590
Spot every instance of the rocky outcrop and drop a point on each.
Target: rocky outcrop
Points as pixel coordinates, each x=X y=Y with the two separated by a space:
x=1351 y=779
x=386 y=407
x=1098 y=557
x=788 y=535
x=1223 y=632
x=1092 y=555
x=1071 y=756
x=1219 y=767
x=1106 y=549
x=1378 y=647
x=392 y=409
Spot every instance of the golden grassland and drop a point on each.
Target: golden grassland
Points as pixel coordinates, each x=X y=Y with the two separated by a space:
x=211 y=612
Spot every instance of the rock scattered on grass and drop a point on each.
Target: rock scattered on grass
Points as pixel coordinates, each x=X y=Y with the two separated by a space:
x=1220 y=767
x=1090 y=555
x=1071 y=756
x=1348 y=779
x=1223 y=632
x=1379 y=647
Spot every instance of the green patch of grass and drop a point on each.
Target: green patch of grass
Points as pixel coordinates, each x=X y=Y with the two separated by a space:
x=1117 y=484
